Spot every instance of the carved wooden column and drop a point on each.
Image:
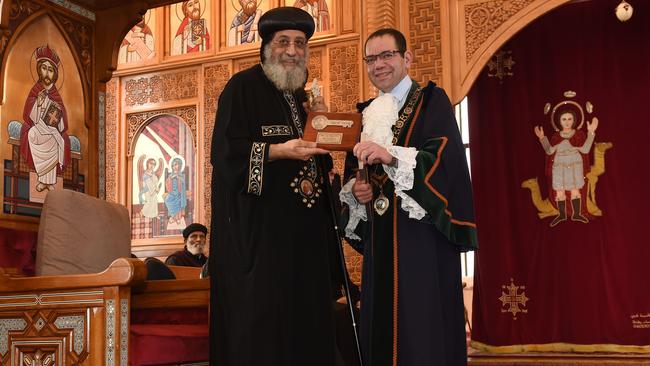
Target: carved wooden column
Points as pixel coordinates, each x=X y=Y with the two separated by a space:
x=215 y=78
x=377 y=14
x=425 y=40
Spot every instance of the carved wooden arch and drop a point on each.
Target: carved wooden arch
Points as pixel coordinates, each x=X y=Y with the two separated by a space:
x=115 y=23
x=24 y=24
x=469 y=55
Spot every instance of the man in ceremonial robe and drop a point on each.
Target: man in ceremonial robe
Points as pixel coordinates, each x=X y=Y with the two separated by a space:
x=44 y=143
x=420 y=200
x=273 y=243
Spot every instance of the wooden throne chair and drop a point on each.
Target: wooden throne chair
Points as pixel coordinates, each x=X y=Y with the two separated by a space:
x=90 y=303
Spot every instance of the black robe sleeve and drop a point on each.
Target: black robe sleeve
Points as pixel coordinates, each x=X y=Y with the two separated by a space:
x=243 y=159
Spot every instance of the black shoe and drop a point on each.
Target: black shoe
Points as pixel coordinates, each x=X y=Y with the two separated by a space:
x=561 y=206
x=576 y=204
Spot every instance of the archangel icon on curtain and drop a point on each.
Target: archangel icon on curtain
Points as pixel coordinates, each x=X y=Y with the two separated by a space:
x=163 y=175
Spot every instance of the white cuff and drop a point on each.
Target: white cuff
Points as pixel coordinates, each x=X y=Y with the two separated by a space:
x=409 y=205
x=357 y=211
x=402 y=176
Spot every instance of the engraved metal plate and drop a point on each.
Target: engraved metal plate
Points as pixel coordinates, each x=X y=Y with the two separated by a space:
x=329 y=138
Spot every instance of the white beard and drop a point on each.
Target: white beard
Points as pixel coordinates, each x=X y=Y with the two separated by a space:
x=282 y=78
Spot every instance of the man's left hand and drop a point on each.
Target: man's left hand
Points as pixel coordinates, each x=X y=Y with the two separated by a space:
x=370 y=153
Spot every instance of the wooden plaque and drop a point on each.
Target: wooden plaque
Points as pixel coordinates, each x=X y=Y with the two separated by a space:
x=333 y=131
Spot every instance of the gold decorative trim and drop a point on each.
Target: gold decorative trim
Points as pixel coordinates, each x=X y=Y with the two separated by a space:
x=256 y=168
x=561 y=347
x=276 y=130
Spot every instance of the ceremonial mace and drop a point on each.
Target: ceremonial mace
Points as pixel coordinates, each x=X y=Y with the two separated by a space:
x=315 y=92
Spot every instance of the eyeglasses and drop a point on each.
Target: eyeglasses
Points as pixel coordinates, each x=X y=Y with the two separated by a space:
x=299 y=43
x=384 y=56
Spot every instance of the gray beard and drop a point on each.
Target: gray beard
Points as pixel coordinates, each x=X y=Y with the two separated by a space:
x=282 y=78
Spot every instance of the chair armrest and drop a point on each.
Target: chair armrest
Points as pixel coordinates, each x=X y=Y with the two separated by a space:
x=122 y=272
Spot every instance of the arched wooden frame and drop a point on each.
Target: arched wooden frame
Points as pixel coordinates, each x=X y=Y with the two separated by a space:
x=156 y=244
x=459 y=71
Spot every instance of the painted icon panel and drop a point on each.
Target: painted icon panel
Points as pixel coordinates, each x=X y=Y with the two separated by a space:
x=163 y=175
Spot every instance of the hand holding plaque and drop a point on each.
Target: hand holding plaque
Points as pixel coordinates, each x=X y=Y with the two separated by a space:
x=333 y=131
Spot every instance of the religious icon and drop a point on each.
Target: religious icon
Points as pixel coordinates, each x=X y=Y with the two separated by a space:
x=44 y=141
x=162 y=202
x=306 y=187
x=319 y=10
x=572 y=180
x=149 y=172
x=243 y=28
x=175 y=195
x=192 y=34
x=138 y=44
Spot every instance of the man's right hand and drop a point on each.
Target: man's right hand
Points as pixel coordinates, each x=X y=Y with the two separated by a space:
x=362 y=190
x=296 y=149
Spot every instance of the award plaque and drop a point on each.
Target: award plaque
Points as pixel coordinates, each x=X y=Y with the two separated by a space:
x=333 y=131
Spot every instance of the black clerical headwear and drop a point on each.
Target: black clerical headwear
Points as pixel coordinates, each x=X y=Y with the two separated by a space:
x=285 y=17
x=192 y=228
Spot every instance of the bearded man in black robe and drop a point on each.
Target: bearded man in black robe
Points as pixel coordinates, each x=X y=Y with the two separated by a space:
x=192 y=254
x=273 y=245
x=420 y=198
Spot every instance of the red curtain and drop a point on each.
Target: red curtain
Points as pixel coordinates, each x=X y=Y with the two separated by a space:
x=577 y=284
x=18 y=250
